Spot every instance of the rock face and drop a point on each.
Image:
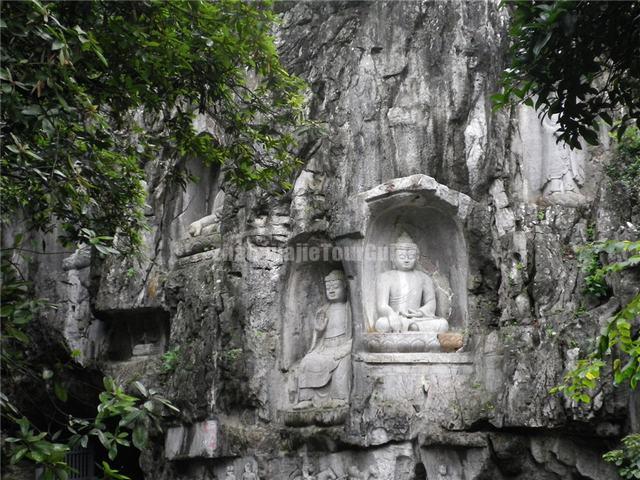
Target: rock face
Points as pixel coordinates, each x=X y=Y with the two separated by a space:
x=411 y=145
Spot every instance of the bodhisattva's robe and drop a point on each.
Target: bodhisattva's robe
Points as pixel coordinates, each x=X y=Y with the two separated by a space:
x=325 y=371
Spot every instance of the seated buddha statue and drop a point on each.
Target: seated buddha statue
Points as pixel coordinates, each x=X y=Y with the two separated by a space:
x=405 y=296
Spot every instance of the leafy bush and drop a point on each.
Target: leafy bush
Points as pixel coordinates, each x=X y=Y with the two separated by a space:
x=626 y=459
x=92 y=91
x=576 y=61
x=170 y=360
x=624 y=169
x=121 y=420
x=618 y=340
x=595 y=283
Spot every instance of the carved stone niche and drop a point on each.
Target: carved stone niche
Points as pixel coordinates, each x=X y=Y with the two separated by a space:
x=137 y=334
x=429 y=217
x=553 y=173
x=200 y=212
x=315 y=354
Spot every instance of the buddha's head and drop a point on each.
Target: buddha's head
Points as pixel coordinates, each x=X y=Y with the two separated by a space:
x=335 y=286
x=405 y=253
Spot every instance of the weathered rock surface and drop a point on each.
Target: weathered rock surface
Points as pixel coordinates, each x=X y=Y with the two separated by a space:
x=403 y=89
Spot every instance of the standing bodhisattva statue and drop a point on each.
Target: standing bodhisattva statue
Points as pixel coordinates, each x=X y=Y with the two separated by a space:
x=405 y=297
x=324 y=373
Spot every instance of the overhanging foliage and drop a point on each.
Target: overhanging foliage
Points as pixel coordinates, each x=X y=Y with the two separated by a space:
x=576 y=61
x=92 y=91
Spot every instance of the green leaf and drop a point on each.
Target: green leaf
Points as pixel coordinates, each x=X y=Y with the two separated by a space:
x=590 y=137
x=140 y=436
x=17 y=456
x=17 y=334
x=542 y=43
x=32 y=110
x=113 y=451
x=60 y=391
x=141 y=388
x=109 y=384
x=607 y=118
x=112 y=473
x=103 y=438
x=5 y=74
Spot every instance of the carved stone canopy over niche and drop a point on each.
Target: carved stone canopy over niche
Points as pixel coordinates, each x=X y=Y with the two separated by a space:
x=413 y=273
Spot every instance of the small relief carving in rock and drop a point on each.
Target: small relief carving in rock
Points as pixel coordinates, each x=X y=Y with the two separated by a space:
x=327 y=474
x=370 y=473
x=248 y=473
x=308 y=473
x=231 y=473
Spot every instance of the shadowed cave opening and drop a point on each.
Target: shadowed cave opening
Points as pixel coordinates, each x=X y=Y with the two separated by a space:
x=420 y=473
x=138 y=333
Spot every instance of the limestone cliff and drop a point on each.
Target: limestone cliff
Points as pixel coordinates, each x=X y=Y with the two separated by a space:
x=402 y=89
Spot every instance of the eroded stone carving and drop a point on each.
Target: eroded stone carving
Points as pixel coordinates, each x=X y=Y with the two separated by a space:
x=324 y=373
x=248 y=473
x=144 y=349
x=554 y=173
x=211 y=223
x=371 y=472
x=405 y=308
x=308 y=473
x=405 y=297
x=231 y=473
x=354 y=473
x=564 y=171
x=203 y=234
x=442 y=471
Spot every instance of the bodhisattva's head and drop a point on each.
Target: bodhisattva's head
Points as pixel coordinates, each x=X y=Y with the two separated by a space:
x=335 y=286
x=405 y=253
